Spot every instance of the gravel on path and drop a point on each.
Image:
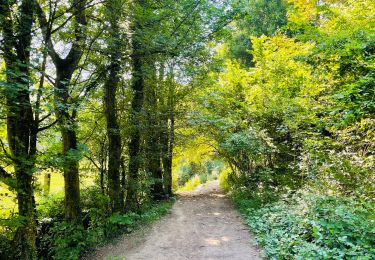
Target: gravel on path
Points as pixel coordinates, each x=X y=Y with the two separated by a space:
x=202 y=225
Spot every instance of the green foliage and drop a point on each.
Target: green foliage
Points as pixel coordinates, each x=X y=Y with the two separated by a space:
x=122 y=220
x=306 y=226
x=252 y=21
x=186 y=173
x=290 y=108
x=224 y=180
x=51 y=206
x=63 y=240
x=191 y=184
x=69 y=241
x=6 y=249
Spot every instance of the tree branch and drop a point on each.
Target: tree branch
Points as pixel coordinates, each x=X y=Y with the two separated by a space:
x=48 y=126
x=7 y=178
x=46 y=31
x=92 y=161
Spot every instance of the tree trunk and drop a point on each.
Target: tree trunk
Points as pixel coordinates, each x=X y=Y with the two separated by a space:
x=123 y=182
x=47 y=184
x=167 y=144
x=171 y=115
x=152 y=136
x=169 y=159
x=114 y=143
x=110 y=90
x=71 y=175
x=135 y=136
x=26 y=235
x=69 y=137
x=164 y=143
x=20 y=121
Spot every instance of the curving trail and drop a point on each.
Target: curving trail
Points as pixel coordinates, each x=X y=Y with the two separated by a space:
x=203 y=225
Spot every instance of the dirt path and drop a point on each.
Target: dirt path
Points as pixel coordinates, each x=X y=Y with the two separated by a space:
x=203 y=225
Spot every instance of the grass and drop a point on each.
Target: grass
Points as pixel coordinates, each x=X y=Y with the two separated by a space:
x=8 y=205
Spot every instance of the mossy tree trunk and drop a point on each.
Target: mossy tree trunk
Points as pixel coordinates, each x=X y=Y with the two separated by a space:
x=20 y=120
x=110 y=89
x=152 y=136
x=167 y=122
x=135 y=134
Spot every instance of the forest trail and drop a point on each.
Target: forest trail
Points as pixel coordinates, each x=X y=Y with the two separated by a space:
x=203 y=225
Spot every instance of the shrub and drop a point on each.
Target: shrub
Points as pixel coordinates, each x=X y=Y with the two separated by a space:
x=307 y=226
x=203 y=178
x=61 y=240
x=191 y=184
x=224 y=179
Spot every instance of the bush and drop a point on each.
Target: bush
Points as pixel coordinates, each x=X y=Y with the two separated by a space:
x=6 y=249
x=191 y=184
x=51 y=207
x=61 y=240
x=68 y=241
x=307 y=226
x=224 y=180
x=188 y=171
x=203 y=178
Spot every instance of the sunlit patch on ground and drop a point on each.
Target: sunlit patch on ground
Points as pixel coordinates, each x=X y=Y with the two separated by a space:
x=218 y=195
x=225 y=239
x=212 y=242
x=216 y=242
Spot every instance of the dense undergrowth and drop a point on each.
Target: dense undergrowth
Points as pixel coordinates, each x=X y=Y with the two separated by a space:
x=306 y=224
x=58 y=239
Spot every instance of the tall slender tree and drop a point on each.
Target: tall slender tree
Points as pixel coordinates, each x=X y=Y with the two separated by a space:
x=17 y=37
x=167 y=138
x=152 y=136
x=64 y=104
x=137 y=86
x=113 y=14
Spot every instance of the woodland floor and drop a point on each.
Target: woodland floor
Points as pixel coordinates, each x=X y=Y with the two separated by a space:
x=203 y=225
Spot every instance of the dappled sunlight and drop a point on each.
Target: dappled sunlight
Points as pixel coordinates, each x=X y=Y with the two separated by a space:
x=212 y=242
x=225 y=239
x=218 y=195
x=217 y=241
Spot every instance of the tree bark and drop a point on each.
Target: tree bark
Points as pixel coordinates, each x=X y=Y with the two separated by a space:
x=110 y=90
x=20 y=121
x=135 y=136
x=68 y=127
x=152 y=136
x=170 y=157
x=123 y=182
x=47 y=184
x=167 y=138
x=164 y=143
